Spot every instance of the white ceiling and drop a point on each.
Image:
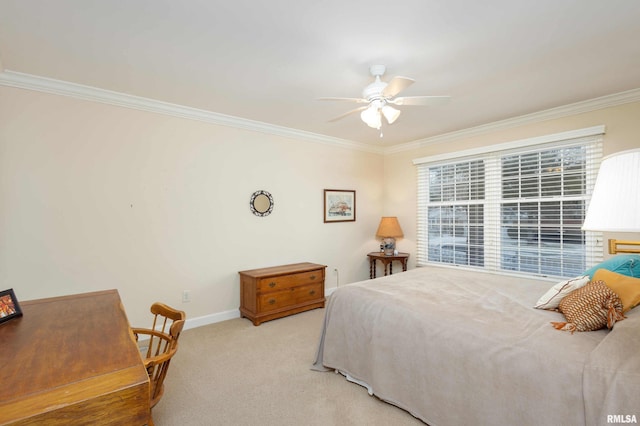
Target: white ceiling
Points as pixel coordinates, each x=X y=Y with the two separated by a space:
x=269 y=61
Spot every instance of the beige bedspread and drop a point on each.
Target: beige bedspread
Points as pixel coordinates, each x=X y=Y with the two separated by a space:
x=455 y=347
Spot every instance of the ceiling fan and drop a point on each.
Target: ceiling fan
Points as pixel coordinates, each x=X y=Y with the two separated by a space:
x=380 y=96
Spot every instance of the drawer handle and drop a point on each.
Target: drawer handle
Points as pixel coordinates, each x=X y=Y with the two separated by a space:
x=312 y=292
x=313 y=277
x=272 y=301
x=272 y=284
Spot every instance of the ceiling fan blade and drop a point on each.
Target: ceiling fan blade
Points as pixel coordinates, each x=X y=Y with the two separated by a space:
x=396 y=85
x=349 y=113
x=421 y=100
x=358 y=100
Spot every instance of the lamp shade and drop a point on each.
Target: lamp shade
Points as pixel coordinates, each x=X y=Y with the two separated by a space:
x=615 y=202
x=371 y=116
x=390 y=113
x=389 y=228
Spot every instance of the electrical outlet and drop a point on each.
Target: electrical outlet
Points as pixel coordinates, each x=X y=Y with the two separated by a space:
x=186 y=296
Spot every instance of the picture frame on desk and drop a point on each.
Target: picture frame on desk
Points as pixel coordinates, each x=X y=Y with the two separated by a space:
x=339 y=205
x=9 y=306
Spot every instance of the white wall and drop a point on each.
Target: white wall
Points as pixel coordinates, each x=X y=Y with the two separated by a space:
x=622 y=133
x=94 y=196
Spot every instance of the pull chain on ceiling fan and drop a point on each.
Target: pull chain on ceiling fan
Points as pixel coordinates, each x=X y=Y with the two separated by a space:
x=380 y=96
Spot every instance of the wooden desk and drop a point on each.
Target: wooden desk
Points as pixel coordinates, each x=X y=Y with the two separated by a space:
x=386 y=260
x=72 y=360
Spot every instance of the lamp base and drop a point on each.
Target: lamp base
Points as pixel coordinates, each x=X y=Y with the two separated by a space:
x=389 y=245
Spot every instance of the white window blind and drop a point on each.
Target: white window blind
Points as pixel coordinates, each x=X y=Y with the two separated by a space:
x=518 y=210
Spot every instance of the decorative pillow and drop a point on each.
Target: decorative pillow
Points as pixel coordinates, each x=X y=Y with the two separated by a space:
x=625 y=264
x=589 y=308
x=551 y=299
x=627 y=288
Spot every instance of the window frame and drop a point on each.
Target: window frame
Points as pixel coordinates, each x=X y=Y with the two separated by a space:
x=492 y=156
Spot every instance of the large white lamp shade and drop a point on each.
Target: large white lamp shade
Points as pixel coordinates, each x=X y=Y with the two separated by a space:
x=615 y=202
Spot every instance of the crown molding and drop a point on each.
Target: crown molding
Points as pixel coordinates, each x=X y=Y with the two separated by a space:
x=549 y=114
x=79 y=91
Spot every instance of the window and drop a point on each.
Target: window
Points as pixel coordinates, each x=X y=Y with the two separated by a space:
x=455 y=213
x=517 y=209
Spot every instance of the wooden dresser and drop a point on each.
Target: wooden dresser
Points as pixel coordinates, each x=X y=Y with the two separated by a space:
x=275 y=292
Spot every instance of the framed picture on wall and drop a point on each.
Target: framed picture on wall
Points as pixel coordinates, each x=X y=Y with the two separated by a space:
x=339 y=205
x=9 y=307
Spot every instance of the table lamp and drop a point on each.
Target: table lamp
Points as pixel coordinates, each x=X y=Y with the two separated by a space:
x=615 y=202
x=389 y=229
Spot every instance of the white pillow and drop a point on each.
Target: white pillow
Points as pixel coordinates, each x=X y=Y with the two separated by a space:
x=551 y=299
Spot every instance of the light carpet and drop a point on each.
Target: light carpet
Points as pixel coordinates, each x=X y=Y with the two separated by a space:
x=234 y=373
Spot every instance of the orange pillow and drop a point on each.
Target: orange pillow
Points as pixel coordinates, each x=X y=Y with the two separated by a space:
x=589 y=308
x=627 y=288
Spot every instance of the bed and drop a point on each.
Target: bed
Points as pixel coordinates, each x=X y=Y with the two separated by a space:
x=457 y=347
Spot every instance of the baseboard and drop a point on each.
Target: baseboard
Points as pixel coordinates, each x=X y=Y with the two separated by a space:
x=211 y=319
x=226 y=315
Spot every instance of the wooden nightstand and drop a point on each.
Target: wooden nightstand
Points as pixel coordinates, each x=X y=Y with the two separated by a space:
x=386 y=261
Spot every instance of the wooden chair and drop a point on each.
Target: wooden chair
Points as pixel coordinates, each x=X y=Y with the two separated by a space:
x=163 y=318
x=162 y=345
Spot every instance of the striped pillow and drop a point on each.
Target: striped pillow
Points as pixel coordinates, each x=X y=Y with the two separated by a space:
x=589 y=308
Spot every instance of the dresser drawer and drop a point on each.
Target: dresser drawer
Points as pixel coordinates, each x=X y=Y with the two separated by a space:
x=293 y=296
x=287 y=281
x=278 y=291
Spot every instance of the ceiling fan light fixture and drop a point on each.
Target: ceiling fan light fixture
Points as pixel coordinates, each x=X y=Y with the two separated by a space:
x=381 y=95
x=390 y=113
x=371 y=116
